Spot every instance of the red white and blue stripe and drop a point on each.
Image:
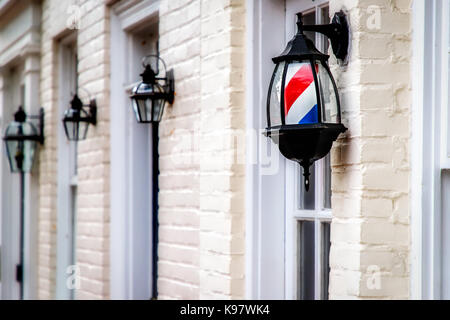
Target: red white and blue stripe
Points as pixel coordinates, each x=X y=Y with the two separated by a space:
x=300 y=100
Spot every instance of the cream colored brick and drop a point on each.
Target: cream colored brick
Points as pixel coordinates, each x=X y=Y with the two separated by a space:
x=385 y=73
x=377 y=207
x=385 y=178
x=346 y=231
x=380 y=124
x=372 y=47
x=384 y=232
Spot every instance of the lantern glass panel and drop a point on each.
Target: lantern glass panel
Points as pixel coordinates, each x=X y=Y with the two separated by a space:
x=300 y=98
x=147 y=107
x=275 y=96
x=158 y=107
x=328 y=95
x=76 y=124
x=20 y=152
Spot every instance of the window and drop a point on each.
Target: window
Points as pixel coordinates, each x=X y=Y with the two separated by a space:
x=308 y=214
x=67 y=168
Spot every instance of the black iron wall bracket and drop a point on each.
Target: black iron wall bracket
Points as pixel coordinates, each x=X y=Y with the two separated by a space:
x=337 y=31
x=92 y=112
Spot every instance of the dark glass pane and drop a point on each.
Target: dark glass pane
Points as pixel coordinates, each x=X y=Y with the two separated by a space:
x=310 y=18
x=83 y=128
x=157 y=109
x=327 y=182
x=325 y=269
x=71 y=129
x=308 y=198
x=306 y=263
x=325 y=19
x=140 y=110
x=75 y=131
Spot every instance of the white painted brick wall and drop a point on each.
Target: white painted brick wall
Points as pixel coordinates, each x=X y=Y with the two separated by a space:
x=370 y=228
x=201 y=197
x=92 y=239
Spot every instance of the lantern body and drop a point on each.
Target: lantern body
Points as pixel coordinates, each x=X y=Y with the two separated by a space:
x=148 y=102
x=20 y=150
x=76 y=123
x=302 y=92
x=303 y=108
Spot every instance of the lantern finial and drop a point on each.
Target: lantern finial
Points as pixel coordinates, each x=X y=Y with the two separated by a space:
x=20 y=115
x=300 y=23
x=148 y=76
x=76 y=103
x=306 y=174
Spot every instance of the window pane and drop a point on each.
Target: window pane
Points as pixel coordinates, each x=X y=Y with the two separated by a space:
x=307 y=198
x=326 y=182
x=306 y=263
x=310 y=18
x=325 y=19
x=325 y=251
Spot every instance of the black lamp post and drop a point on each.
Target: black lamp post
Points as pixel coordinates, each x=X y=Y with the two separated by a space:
x=148 y=100
x=21 y=139
x=303 y=108
x=78 y=117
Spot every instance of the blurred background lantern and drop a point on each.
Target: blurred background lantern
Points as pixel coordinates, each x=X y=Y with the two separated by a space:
x=78 y=117
x=21 y=139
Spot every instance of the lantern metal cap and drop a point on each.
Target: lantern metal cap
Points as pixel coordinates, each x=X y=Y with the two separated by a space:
x=20 y=115
x=76 y=103
x=302 y=48
x=148 y=76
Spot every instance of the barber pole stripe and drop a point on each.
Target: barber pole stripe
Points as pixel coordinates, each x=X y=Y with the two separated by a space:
x=300 y=100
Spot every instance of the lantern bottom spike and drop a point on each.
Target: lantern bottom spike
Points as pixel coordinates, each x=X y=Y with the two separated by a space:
x=306 y=174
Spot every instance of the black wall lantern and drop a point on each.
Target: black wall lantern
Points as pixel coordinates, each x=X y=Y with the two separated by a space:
x=21 y=139
x=150 y=95
x=303 y=108
x=78 y=117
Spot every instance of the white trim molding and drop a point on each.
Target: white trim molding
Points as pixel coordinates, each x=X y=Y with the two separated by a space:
x=430 y=251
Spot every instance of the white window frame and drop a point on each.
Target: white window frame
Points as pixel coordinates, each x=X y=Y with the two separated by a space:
x=430 y=257
x=294 y=215
x=67 y=179
x=126 y=256
x=265 y=190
